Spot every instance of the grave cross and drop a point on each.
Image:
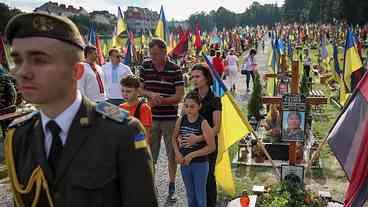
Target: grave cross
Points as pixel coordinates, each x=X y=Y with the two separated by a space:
x=294 y=91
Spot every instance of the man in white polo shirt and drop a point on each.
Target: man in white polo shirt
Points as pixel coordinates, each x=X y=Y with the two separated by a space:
x=114 y=71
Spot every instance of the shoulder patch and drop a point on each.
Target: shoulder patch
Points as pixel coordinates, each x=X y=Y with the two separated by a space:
x=112 y=112
x=22 y=120
x=139 y=141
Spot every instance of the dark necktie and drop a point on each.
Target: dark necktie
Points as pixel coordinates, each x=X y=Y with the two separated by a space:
x=56 y=145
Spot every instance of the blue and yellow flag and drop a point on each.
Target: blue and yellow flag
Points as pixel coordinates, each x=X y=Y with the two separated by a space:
x=271 y=82
x=352 y=61
x=161 y=28
x=120 y=28
x=234 y=126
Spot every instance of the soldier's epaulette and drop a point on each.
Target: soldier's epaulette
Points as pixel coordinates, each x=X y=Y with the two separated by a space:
x=23 y=119
x=112 y=112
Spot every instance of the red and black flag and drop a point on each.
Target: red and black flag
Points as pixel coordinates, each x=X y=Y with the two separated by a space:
x=181 y=48
x=348 y=140
x=198 y=41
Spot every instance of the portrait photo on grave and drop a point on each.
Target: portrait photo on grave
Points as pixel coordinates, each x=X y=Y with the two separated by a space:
x=293 y=126
x=282 y=88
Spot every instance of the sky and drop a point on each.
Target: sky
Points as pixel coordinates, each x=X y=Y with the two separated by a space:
x=174 y=9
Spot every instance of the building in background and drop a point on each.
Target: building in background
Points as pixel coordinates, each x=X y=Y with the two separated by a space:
x=61 y=10
x=102 y=17
x=140 y=19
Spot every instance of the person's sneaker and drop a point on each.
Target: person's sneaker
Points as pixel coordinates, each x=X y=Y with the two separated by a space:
x=171 y=198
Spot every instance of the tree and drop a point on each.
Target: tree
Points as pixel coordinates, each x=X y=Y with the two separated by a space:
x=5 y=15
x=83 y=23
x=255 y=103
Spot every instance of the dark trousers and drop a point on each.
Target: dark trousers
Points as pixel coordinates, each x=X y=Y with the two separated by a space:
x=307 y=69
x=248 y=75
x=211 y=181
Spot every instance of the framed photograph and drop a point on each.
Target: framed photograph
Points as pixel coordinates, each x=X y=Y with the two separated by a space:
x=282 y=88
x=293 y=126
x=292 y=173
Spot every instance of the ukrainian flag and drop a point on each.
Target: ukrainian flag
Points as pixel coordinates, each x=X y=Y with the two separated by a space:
x=120 y=28
x=271 y=82
x=234 y=126
x=161 y=28
x=139 y=141
x=352 y=61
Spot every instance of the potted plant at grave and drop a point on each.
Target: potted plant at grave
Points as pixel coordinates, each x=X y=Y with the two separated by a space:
x=304 y=85
x=288 y=194
x=255 y=103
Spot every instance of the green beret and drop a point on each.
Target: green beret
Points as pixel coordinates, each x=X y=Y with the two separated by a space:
x=43 y=25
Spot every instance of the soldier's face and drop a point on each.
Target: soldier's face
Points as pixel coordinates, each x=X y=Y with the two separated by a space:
x=43 y=73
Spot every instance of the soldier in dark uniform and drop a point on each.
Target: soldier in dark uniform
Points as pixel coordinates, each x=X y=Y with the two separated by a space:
x=72 y=152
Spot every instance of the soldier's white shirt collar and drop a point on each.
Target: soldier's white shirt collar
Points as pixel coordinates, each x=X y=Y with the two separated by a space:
x=64 y=120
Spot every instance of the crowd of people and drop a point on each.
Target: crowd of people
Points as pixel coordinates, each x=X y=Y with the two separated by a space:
x=86 y=155
x=85 y=134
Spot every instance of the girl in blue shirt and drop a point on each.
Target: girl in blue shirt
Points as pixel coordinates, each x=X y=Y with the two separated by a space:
x=193 y=159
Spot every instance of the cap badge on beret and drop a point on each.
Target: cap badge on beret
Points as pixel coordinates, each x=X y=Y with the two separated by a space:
x=43 y=24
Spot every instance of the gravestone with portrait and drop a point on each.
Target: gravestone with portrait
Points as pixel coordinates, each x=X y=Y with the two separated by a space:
x=294 y=143
x=293 y=118
x=294 y=125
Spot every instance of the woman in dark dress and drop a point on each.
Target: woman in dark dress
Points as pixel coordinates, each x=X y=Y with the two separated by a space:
x=211 y=111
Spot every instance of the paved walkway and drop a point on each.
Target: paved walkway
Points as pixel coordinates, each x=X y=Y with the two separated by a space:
x=261 y=61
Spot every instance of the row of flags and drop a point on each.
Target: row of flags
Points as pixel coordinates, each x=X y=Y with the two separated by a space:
x=347 y=75
x=182 y=43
